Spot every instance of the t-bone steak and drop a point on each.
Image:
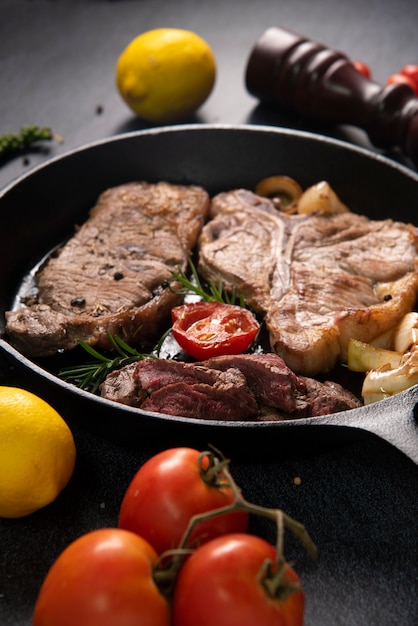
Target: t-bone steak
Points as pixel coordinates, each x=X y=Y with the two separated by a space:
x=318 y=279
x=113 y=275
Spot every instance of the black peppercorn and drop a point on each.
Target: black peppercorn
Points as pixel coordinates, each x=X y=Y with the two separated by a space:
x=79 y=302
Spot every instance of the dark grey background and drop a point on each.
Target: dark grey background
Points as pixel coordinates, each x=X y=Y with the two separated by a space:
x=57 y=57
x=359 y=500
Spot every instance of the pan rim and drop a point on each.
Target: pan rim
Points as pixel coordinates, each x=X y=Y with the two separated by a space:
x=199 y=127
x=405 y=398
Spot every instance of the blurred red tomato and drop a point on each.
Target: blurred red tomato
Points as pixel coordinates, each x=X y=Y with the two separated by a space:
x=362 y=68
x=401 y=79
x=411 y=71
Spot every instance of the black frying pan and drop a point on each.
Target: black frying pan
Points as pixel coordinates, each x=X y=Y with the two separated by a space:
x=40 y=209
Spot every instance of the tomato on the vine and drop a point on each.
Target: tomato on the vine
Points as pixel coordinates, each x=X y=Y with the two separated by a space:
x=402 y=79
x=230 y=580
x=411 y=71
x=208 y=329
x=363 y=68
x=168 y=490
x=104 y=577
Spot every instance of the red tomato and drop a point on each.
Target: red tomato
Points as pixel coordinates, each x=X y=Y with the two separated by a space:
x=104 y=577
x=401 y=79
x=412 y=72
x=362 y=68
x=166 y=492
x=207 y=329
x=220 y=584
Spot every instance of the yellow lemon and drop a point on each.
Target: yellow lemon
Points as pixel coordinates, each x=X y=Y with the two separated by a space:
x=37 y=453
x=165 y=75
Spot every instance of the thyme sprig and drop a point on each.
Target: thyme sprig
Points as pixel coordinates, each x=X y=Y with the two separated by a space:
x=215 y=292
x=28 y=135
x=90 y=375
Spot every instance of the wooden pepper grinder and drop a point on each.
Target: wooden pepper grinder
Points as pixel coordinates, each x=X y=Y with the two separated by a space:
x=321 y=84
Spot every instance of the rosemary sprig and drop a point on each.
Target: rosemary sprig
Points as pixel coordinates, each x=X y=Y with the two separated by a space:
x=214 y=292
x=89 y=376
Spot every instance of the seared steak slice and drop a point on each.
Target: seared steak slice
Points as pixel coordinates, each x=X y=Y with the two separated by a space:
x=182 y=389
x=236 y=387
x=268 y=377
x=122 y=386
x=113 y=275
x=318 y=279
x=229 y=398
x=324 y=398
x=276 y=386
x=153 y=374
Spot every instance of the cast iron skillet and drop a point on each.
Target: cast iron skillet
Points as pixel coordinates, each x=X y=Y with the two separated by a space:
x=40 y=209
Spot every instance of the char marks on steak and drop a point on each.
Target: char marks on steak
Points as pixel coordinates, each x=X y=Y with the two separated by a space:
x=318 y=279
x=236 y=387
x=113 y=275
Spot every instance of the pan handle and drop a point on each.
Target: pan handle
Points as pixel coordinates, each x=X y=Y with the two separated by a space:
x=393 y=420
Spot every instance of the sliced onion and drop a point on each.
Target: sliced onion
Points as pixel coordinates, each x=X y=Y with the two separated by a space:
x=320 y=197
x=406 y=333
x=287 y=190
x=385 y=340
x=386 y=381
x=363 y=357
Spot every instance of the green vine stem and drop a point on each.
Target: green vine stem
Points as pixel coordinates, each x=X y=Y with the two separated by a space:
x=215 y=471
x=278 y=516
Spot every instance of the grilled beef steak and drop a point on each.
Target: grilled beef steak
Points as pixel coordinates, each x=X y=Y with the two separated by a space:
x=238 y=387
x=113 y=275
x=318 y=279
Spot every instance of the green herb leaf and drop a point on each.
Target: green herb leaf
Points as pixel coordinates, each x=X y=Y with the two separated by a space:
x=15 y=142
x=214 y=292
x=89 y=376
